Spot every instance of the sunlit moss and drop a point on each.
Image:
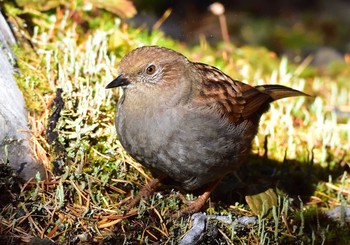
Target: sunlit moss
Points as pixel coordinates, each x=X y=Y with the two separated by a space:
x=301 y=146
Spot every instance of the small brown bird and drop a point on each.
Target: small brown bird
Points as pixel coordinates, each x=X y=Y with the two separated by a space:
x=187 y=121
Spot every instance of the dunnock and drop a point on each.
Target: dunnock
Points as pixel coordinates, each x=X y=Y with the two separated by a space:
x=187 y=121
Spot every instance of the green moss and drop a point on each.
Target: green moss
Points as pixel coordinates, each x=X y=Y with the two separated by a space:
x=323 y=228
x=31 y=80
x=300 y=147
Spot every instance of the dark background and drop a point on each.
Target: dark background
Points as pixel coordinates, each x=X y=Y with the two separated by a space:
x=293 y=27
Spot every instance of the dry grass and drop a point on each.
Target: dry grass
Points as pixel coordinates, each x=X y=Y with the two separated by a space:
x=301 y=149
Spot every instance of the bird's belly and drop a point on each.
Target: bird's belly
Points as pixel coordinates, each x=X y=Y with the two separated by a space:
x=191 y=149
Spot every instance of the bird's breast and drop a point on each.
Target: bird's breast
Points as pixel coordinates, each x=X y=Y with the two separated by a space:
x=142 y=131
x=190 y=145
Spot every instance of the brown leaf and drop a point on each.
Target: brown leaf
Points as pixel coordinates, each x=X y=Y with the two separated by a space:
x=123 y=8
x=261 y=203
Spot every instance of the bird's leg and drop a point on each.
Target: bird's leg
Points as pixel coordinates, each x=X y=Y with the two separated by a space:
x=196 y=205
x=146 y=191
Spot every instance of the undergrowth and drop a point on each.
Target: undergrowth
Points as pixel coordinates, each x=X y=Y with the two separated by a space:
x=301 y=150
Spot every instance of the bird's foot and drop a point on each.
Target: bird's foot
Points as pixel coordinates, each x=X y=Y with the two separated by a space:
x=196 y=205
x=193 y=206
x=145 y=192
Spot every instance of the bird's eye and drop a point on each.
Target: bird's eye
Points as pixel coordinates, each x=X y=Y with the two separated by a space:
x=151 y=69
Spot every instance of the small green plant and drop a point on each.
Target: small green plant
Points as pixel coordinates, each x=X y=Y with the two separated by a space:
x=301 y=147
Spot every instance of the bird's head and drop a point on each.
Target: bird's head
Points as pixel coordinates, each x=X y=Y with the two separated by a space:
x=150 y=66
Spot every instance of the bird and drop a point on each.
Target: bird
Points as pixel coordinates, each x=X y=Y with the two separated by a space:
x=187 y=121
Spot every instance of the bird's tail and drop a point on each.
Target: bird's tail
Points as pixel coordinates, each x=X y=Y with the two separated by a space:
x=277 y=92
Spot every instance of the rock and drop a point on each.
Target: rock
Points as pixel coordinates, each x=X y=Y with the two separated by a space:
x=196 y=233
x=200 y=226
x=326 y=55
x=339 y=212
x=16 y=147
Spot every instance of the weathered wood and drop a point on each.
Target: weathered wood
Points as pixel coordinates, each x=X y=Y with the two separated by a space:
x=16 y=147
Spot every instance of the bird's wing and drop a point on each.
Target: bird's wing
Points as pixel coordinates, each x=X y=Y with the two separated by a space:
x=234 y=99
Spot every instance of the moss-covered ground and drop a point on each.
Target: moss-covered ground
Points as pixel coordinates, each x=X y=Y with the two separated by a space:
x=301 y=152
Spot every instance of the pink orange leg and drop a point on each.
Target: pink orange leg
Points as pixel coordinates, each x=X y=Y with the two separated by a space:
x=146 y=191
x=196 y=205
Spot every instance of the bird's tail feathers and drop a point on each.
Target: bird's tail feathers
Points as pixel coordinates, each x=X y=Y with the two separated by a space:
x=277 y=92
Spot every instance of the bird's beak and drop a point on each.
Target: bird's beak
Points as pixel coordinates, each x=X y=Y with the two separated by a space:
x=120 y=81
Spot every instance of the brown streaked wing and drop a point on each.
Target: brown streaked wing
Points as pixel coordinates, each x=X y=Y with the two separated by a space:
x=235 y=100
